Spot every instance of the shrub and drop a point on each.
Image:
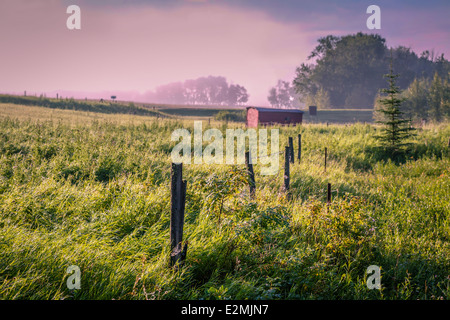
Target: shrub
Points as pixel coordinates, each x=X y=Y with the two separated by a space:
x=237 y=116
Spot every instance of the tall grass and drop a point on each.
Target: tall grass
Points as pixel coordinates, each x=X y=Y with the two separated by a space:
x=97 y=195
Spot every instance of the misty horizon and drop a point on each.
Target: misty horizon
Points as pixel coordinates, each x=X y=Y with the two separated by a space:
x=129 y=49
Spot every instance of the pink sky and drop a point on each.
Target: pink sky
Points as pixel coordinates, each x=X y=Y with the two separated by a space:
x=137 y=48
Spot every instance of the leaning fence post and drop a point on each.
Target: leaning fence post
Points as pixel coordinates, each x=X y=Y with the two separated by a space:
x=299 y=147
x=251 y=173
x=291 y=151
x=286 y=170
x=178 y=200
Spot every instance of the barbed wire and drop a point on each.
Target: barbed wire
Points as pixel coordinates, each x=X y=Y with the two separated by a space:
x=275 y=176
x=267 y=156
x=281 y=152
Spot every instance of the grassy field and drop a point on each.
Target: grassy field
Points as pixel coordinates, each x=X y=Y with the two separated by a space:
x=70 y=117
x=202 y=112
x=196 y=112
x=323 y=116
x=340 y=116
x=108 y=107
x=93 y=190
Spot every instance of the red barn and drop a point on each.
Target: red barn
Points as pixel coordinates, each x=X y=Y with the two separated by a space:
x=269 y=116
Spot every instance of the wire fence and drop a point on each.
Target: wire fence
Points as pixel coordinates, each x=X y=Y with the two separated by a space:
x=178 y=196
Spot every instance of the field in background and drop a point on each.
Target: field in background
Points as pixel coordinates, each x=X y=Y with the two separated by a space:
x=107 y=107
x=172 y=111
x=72 y=117
x=323 y=116
x=93 y=190
x=194 y=112
x=340 y=116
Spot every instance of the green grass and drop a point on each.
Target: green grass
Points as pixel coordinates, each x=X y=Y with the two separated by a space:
x=198 y=112
x=96 y=194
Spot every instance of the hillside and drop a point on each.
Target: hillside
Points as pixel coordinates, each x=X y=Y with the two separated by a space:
x=72 y=104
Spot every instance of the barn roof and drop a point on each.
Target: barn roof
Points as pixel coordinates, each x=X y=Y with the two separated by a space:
x=277 y=110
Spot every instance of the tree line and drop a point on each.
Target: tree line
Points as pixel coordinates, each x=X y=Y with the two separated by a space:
x=427 y=98
x=348 y=72
x=211 y=90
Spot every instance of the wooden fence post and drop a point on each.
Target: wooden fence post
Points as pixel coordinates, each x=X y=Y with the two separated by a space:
x=291 y=150
x=325 y=159
x=299 y=147
x=251 y=173
x=286 y=169
x=329 y=194
x=178 y=200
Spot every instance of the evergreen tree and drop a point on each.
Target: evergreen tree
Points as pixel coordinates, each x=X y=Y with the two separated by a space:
x=396 y=129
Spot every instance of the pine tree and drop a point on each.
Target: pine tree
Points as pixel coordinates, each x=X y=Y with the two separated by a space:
x=396 y=130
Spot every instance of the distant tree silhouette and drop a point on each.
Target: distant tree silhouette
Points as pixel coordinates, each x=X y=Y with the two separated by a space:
x=209 y=90
x=283 y=95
